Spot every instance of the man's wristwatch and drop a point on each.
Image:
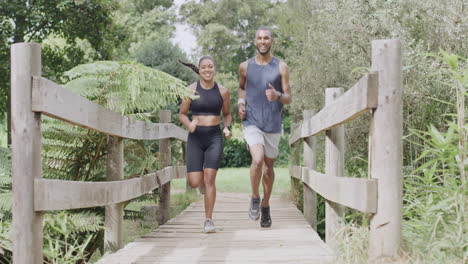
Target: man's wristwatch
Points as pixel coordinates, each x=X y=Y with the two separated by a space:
x=241 y=101
x=279 y=96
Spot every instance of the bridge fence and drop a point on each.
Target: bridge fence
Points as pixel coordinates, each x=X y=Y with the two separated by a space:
x=31 y=97
x=380 y=195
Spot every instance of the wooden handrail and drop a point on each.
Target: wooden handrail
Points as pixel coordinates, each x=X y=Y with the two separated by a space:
x=357 y=100
x=63 y=195
x=55 y=101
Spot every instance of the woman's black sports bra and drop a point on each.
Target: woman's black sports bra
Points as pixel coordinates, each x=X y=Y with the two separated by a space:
x=209 y=103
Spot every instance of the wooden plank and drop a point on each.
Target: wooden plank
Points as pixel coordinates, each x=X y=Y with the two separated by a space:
x=295 y=171
x=165 y=190
x=356 y=193
x=357 y=100
x=26 y=154
x=310 y=158
x=62 y=195
x=114 y=213
x=55 y=101
x=386 y=150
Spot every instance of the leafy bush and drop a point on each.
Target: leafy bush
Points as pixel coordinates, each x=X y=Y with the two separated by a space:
x=235 y=154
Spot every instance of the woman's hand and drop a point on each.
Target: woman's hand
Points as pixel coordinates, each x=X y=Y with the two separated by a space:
x=193 y=125
x=227 y=133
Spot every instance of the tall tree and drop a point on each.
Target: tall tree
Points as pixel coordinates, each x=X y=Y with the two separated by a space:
x=144 y=21
x=162 y=55
x=27 y=20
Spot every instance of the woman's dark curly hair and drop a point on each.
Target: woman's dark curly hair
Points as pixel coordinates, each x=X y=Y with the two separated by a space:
x=195 y=68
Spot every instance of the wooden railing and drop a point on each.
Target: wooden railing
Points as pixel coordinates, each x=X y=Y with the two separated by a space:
x=381 y=193
x=32 y=96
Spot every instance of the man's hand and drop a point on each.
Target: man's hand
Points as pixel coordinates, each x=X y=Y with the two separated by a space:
x=271 y=93
x=241 y=109
x=193 y=125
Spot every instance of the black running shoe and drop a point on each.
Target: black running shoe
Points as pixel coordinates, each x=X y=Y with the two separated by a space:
x=265 y=221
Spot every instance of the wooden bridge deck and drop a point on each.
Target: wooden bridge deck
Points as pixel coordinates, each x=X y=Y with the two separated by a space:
x=238 y=239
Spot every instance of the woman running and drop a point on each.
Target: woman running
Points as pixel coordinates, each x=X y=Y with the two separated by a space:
x=205 y=140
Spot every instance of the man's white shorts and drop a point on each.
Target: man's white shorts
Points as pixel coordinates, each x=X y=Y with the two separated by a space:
x=270 y=141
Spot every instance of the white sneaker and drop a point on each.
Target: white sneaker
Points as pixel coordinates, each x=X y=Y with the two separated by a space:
x=209 y=226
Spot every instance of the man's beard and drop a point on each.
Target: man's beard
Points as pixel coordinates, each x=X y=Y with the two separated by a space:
x=263 y=53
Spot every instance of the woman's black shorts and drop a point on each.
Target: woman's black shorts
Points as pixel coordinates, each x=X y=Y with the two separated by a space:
x=204 y=148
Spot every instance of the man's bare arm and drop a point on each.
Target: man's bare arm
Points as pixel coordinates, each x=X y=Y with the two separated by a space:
x=241 y=90
x=285 y=97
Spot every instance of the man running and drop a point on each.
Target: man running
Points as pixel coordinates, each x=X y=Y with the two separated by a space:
x=263 y=89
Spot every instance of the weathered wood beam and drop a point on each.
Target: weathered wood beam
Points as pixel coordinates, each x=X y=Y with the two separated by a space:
x=62 y=195
x=55 y=101
x=356 y=193
x=357 y=100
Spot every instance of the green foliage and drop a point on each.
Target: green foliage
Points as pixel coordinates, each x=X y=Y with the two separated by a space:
x=6 y=247
x=68 y=236
x=235 y=154
x=328 y=39
x=26 y=21
x=126 y=87
x=6 y=194
x=434 y=199
x=143 y=22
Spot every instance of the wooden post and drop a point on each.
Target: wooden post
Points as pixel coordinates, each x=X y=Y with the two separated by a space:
x=114 y=212
x=334 y=166
x=165 y=190
x=26 y=154
x=386 y=151
x=295 y=160
x=310 y=197
x=188 y=188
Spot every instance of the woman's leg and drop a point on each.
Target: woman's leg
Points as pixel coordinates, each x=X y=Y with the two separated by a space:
x=195 y=179
x=209 y=176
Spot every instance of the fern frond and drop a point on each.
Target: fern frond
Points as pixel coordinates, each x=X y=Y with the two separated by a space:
x=5 y=236
x=5 y=165
x=127 y=87
x=100 y=67
x=65 y=222
x=6 y=201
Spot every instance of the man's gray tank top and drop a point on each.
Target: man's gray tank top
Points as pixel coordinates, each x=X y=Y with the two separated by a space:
x=267 y=116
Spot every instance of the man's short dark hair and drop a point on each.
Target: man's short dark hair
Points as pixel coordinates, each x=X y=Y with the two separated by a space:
x=264 y=28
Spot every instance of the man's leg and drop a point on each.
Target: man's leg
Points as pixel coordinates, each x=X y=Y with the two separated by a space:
x=267 y=180
x=256 y=152
x=271 y=152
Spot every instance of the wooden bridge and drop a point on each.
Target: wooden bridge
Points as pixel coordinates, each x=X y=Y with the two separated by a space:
x=292 y=238
x=237 y=240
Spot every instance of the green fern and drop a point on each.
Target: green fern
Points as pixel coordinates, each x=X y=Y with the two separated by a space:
x=126 y=87
x=69 y=236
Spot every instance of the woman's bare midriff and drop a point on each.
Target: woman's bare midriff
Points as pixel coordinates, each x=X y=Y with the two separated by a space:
x=207 y=120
